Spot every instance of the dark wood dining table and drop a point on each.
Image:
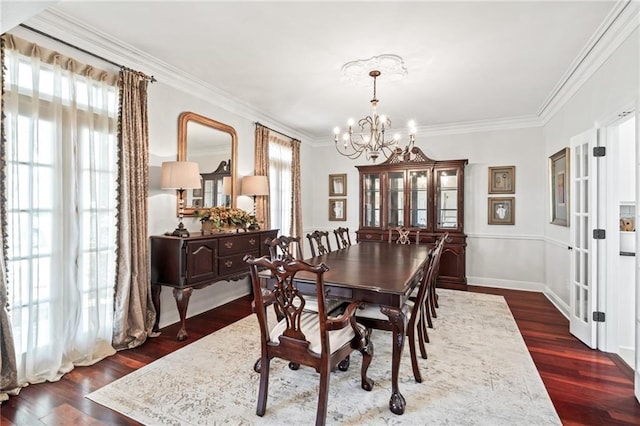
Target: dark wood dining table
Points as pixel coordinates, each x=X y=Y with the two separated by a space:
x=376 y=274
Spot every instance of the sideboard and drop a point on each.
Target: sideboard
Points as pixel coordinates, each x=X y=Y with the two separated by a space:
x=187 y=263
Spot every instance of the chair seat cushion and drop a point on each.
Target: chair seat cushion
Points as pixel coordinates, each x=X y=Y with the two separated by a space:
x=310 y=324
x=373 y=311
x=311 y=304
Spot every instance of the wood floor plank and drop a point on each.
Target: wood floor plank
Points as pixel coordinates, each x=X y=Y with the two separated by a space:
x=587 y=387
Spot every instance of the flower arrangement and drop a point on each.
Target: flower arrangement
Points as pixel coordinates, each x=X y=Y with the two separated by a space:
x=225 y=216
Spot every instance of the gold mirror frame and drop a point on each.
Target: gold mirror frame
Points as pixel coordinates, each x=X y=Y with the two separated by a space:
x=183 y=120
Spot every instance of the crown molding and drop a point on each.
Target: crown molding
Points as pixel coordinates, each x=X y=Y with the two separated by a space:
x=459 y=128
x=623 y=19
x=619 y=24
x=71 y=30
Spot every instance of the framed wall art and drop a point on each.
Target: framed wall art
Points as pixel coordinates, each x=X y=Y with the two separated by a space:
x=559 y=187
x=501 y=210
x=338 y=209
x=502 y=180
x=338 y=185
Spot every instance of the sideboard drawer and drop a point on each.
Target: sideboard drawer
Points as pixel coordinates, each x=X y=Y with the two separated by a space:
x=238 y=243
x=231 y=264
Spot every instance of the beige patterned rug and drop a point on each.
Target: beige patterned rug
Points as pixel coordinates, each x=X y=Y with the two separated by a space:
x=479 y=372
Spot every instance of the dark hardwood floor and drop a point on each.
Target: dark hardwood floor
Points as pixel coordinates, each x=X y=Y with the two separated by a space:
x=587 y=387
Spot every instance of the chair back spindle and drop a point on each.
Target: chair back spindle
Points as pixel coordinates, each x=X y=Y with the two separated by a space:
x=342 y=237
x=319 y=243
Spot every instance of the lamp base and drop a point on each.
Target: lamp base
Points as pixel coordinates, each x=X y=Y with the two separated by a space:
x=180 y=231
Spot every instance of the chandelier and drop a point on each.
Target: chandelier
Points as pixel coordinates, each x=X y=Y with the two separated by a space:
x=369 y=136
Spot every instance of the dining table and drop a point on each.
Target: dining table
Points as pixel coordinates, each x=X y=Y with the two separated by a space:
x=382 y=274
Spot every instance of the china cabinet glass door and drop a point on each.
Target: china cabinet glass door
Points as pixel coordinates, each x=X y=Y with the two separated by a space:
x=447 y=199
x=418 y=197
x=396 y=198
x=371 y=196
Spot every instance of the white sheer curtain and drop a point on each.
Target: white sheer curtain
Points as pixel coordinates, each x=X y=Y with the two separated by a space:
x=280 y=185
x=61 y=154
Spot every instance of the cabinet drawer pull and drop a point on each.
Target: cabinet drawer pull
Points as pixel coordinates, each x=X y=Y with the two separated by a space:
x=252 y=241
x=228 y=244
x=228 y=263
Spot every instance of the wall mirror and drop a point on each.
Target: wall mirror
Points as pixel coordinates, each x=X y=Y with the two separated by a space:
x=214 y=146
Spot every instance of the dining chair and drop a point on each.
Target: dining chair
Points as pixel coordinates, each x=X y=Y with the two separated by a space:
x=285 y=247
x=433 y=296
x=316 y=243
x=372 y=317
x=301 y=337
x=403 y=235
x=342 y=237
x=289 y=248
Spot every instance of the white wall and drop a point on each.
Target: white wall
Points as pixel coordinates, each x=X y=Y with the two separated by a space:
x=510 y=256
x=165 y=105
x=532 y=254
x=613 y=86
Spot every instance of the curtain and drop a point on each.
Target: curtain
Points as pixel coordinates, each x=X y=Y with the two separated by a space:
x=134 y=313
x=278 y=158
x=263 y=205
x=8 y=366
x=60 y=228
x=296 y=194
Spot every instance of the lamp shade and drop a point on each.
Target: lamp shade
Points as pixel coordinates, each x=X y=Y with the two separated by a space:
x=180 y=175
x=226 y=185
x=255 y=185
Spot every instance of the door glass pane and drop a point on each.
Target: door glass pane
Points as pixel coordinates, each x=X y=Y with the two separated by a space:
x=371 y=196
x=396 y=199
x=447 y=193
x=418 y=199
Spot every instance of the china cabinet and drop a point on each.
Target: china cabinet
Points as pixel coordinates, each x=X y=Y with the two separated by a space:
x=413 y=191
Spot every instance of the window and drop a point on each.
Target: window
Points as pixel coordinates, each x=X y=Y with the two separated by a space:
x=61 y=186
x=280 y=182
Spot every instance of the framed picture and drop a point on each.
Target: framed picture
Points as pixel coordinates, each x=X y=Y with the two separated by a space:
x=338 y=185
x=502 y=211
x=197 y=202
x=502 y=180
x=197 y=193
x=338 y=209
x=559 y=187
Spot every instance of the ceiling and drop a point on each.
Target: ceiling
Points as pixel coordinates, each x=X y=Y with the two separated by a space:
x=467 y=62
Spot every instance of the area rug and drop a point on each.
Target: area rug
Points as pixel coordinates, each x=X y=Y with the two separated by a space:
x=479 y=372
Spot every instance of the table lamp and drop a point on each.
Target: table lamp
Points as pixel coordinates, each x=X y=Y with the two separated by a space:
x=255 y=186
x=180 y=175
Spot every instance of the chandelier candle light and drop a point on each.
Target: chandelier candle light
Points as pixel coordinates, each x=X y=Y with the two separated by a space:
x=370 y=138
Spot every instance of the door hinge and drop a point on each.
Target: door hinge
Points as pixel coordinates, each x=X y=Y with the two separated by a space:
x=599 y=151
x=599 y=234
x=598 y=316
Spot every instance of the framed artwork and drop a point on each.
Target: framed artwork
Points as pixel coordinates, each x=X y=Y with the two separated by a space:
x=338 y=185
x=502 y=180
x=197 y=193
x=559 y=187
x=338 y=209
x=501 y=211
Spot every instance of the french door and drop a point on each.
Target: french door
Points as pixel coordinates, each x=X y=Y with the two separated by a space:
x=583 y=221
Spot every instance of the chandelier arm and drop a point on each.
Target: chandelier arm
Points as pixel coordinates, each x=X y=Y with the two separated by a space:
x=370 y=140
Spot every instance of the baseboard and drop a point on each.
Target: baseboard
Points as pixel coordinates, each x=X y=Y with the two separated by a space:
x=506 y=284
x=204 y=300
x=628 y=355
x=557 y=302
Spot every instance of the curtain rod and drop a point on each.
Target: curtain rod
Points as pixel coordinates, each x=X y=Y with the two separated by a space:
x=257 y=123
x=151 y=78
